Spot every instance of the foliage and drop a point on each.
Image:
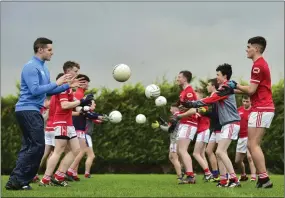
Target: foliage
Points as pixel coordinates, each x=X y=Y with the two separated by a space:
x=131 y=147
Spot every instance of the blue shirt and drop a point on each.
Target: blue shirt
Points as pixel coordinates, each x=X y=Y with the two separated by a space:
x=36 y=85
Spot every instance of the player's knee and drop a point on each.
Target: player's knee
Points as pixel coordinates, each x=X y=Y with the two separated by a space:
x=237 y=161
x=209 y=151
x=76 y=152
x=249 y=158
x=196 y=154
x=219 y=153
x=92 y=156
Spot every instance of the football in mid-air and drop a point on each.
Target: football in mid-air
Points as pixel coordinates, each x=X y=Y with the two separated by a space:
x=115 y=117
x=152 y=91
x=140 y=118
x=121 y=72
x=160 y=101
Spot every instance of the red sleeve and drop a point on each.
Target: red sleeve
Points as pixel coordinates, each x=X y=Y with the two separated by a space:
x=63 y=96
x=97 y=121
x=256 y=74
x=214 y=98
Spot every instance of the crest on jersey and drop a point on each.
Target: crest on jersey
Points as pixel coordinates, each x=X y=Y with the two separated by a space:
x=256 y=70
x=189 y=95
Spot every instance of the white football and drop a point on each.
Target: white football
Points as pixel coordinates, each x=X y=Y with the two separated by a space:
x=152 y=91
x=160 y=101
x=140 y=118
x=115 y=117
x=121 y=72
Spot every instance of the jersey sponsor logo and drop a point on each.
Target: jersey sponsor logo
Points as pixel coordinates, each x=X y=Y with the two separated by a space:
x=189 y=95
x=256 y=70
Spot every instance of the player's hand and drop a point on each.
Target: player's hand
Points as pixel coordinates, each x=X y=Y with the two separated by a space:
x=87 y=100
x=187 y=104
x=164 y=128
x=202 y=110
x=63 y=79
x=76 y=82
x=232 y=84
x=105 y=118
x=155 y=125
x=225 y=91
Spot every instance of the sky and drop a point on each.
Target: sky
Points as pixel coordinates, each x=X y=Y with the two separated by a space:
x=154 y=38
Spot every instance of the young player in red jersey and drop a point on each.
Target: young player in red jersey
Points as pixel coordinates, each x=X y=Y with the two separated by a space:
x=49 y=130
x=215 y=128
x=65 y=134
x=263 y=108
x=187 y=126
x=203 y=135
x=230 y=121
x=242 y=149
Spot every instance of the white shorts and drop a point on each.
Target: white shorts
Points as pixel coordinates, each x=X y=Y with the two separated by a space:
x=186 y=131
x=88 y=140
x=260 y=119
x=242 y=145
x=215 y=137
x=230 y=131
x=173 y=148
x=64 y=131
x=203 y=136
x=80 y=134
x=49 y=138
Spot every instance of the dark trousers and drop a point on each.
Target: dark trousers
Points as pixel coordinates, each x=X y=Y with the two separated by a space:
x=33 y=145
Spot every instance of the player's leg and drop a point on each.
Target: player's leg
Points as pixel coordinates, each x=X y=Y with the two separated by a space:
x=174 y=158
x=59 y=148
x=251 y=166
x=240 y=155
x=73 y=169
x=198 y=150
x=90 y=156
x=239 y=162
x=257 y=123
x=186 y=133
x=229 y=132
x=211 y=147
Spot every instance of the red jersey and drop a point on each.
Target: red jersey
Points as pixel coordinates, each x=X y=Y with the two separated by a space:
x=79 y=94
x=244 y=115
x=52 y=107
x=203 y=123
x=261 y=100
x=188 y=94
x=63 y=117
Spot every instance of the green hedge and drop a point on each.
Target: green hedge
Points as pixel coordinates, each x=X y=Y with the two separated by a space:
x=128 y=147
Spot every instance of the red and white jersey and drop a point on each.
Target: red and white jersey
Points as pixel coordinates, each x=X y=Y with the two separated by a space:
x=261 y=100
x=188 y=94
x=52 y=107
x=244 y=115
x=203 y=122
x=63 y=117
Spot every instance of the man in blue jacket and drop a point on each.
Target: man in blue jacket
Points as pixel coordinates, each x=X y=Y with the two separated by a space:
x=35 y=86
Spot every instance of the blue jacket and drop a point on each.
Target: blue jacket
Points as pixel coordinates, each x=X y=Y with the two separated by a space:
x=36 y=85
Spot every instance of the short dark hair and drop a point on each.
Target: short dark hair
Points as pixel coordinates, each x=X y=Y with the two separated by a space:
x=187 y=74
x=258 y=40
x=41 y=43
x=225 y=69
x=246 y=97
x=84 y=77
x=69 y=65
x=175 y=104
x=214 y=82
x=59 y=75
